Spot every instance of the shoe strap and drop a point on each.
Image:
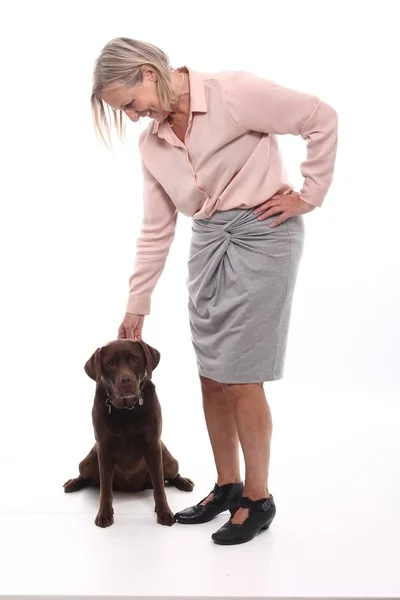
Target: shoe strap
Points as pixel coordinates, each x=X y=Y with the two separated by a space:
x=262 y=505
x=222 y=490
x=225 y=490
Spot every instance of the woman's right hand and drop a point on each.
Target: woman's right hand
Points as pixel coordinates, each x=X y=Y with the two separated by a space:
x=131 y=327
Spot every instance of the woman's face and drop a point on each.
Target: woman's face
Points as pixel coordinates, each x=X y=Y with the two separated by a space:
x=139 y=101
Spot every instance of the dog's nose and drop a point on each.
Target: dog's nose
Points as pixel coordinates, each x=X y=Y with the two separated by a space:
x=125 y=380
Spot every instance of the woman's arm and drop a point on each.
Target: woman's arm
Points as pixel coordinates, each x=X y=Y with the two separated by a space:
x=257 y=104
x=153 y=243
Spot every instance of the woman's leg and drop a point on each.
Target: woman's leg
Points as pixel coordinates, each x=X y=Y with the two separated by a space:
x=222 y=431
x=254 y=425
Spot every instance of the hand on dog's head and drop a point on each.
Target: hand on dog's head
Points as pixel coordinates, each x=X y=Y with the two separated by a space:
x=122 y=365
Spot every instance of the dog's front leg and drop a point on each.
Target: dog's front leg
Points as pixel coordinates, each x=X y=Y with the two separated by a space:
x=105 y=516
x=153 y=457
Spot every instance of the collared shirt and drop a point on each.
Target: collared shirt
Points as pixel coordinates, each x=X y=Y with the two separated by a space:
x=229 y=159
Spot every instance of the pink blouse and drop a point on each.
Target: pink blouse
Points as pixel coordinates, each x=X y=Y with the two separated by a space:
x=230 y=159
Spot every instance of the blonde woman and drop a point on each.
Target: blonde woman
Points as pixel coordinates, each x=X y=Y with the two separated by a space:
x=210 y=152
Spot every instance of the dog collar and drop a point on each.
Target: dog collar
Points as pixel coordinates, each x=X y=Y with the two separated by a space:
x=110 y=403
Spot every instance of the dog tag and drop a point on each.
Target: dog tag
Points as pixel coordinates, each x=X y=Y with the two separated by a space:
x=141 y=401
x=108 y=402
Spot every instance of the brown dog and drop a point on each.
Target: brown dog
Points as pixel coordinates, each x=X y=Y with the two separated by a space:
x=128 y=455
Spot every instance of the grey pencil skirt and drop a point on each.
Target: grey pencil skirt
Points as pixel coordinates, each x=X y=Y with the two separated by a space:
x=241 y=280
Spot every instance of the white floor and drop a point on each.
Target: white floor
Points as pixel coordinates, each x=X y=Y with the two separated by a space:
x=336 y=534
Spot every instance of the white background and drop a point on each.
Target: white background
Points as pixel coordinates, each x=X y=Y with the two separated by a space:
x=71 y=210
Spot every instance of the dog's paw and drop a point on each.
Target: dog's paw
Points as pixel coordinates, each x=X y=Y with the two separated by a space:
x=187 y=484
x=183 y=483
x=74 y=485
x=166 y=517
x=104 y=518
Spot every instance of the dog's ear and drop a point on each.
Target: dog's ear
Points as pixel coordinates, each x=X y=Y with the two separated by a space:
x=93 y=365
x=152 y=357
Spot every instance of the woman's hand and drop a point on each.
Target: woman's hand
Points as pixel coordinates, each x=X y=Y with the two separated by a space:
x=287 y=204
x=131 y=327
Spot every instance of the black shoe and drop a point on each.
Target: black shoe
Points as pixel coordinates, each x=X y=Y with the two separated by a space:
x=226 y=497
x=261 y=514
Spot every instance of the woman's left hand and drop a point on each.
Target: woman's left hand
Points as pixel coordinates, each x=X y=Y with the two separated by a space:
x=287 y=204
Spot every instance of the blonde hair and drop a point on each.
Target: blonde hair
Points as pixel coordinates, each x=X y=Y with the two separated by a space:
x=121 y=60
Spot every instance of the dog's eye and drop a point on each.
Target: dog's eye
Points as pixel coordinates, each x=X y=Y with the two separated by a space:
x=111 y=363
x=133 y=358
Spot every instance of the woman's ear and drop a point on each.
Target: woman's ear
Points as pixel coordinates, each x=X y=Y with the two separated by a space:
x=149 y=73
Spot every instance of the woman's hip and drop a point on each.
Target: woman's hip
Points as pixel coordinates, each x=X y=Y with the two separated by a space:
x=237 y=243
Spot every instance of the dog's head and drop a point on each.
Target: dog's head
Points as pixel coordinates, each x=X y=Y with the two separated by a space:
x=121 y=366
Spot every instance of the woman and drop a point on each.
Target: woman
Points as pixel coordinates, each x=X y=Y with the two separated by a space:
x=211 y=153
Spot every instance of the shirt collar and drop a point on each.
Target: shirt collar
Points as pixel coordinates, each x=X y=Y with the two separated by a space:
x=198 y=101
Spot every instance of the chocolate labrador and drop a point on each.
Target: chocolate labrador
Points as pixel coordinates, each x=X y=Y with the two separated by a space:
x=128 y=455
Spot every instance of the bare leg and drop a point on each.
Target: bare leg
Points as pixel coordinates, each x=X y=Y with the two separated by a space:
x=222 y=432
x=254 y=424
